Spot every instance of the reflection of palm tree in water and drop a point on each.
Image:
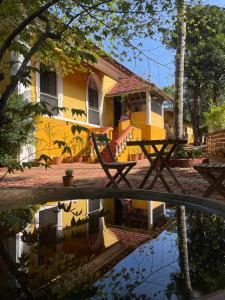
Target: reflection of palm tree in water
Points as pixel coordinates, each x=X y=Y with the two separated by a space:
x=183 y=249
x=118 y=212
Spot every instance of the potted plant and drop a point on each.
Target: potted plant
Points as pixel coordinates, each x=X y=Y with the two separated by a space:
x=68 y=160
x=56 y=160
x=141 y=156
x=187 y=159
x=68 y=178
x=134 y=156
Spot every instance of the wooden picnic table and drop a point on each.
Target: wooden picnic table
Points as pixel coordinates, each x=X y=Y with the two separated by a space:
x=159 y=159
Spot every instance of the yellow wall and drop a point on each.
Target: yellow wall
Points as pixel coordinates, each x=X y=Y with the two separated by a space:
x=157 y=120
x=143 y=204
x=80 y=244
x=49 y=130
x=138 y=118
x=74 y=94
x=123 y=125
x=151 y=132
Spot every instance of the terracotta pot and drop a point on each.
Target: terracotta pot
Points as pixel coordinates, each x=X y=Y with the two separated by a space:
x=141 y=156
x=68 y=160
x=67 y=181
x=79 y=158
x=56 y=160
x=133 y=157
x=186 y=162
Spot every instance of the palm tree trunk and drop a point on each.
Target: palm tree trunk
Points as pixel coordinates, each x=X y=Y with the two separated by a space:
x=183 y=249
x=179 y=72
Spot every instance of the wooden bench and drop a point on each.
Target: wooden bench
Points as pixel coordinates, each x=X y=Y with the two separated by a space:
x=214 y=173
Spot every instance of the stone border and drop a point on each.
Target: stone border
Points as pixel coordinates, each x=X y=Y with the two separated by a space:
x=22 y=197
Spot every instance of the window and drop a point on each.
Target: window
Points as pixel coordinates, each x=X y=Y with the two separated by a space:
x=93 y=109
x=156 y=106
x=48 y=90
x=94 y=205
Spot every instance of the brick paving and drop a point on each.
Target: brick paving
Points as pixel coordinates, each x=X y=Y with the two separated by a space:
x=92 y=175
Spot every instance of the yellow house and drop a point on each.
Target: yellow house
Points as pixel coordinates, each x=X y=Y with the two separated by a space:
x=169 y=125
x=114 y=99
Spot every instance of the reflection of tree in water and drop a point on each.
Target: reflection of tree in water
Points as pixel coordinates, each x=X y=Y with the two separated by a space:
x=206 y=246
x=145 y=271
x=60 y=272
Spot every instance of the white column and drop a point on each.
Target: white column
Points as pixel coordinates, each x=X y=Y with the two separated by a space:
x=148 y=108
x=150 y=214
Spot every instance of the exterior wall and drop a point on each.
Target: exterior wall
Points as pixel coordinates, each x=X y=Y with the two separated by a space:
x=74 y=94
x=151 y=132
x=144 y=204
x=49 y=130
x=108 y=107
x=157 y=120
x=138 y=119
x=81 y=245
x=188 y=130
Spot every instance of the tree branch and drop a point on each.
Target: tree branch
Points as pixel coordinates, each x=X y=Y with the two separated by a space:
x=22 y=25
x=11 y=87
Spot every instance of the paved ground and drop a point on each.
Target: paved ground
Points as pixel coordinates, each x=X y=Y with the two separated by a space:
x=91 y=175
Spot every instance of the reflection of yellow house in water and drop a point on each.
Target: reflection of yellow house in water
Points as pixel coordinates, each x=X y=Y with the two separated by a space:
x=94 y=236
x=114 y=99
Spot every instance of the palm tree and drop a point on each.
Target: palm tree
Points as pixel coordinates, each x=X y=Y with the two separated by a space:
x=179 y=71
x=183 y=249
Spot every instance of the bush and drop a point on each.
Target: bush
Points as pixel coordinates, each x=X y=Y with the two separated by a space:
x=215 y=118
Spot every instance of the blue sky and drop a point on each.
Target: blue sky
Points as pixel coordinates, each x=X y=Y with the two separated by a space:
x=154 y=49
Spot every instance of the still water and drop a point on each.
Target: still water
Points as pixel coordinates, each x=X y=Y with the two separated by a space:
x=110 y=249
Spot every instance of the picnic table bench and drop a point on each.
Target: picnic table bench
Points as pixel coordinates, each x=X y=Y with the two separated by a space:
x=214 y=173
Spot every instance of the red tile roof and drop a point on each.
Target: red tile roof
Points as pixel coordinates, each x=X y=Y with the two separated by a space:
x=128 y=84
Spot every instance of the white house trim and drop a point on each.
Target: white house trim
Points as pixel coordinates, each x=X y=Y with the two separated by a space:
x=100 y=97
x=59 y=86
x=148 y=108
x=59 y=218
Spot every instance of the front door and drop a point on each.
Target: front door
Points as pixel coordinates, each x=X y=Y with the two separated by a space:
x=117 y=110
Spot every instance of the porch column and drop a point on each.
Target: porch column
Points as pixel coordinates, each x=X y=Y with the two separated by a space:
x=148 y=108
x=150 y=214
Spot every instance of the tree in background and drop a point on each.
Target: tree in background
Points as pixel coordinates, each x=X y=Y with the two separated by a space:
x=68 y=34
x=204 y=61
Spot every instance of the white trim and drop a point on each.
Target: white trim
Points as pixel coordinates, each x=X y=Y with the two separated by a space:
x=100 y=98
x=59 y=87
x=75 y=122
x=59 y=218
x=150 y=214
x=148 y=108
x=38 y=82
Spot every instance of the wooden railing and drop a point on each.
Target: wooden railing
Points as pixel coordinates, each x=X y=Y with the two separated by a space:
x=215 y=144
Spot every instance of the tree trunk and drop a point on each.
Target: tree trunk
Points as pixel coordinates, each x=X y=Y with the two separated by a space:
x=196 y=118
x=183 y=249
x=179 y=72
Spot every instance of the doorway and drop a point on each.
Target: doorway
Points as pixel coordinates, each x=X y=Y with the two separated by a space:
x=117 y=110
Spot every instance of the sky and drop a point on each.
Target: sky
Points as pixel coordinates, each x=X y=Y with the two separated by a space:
x=155 y=70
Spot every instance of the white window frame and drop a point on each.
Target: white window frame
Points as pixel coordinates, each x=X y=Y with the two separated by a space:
x=100 y=99
x=59 y=89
